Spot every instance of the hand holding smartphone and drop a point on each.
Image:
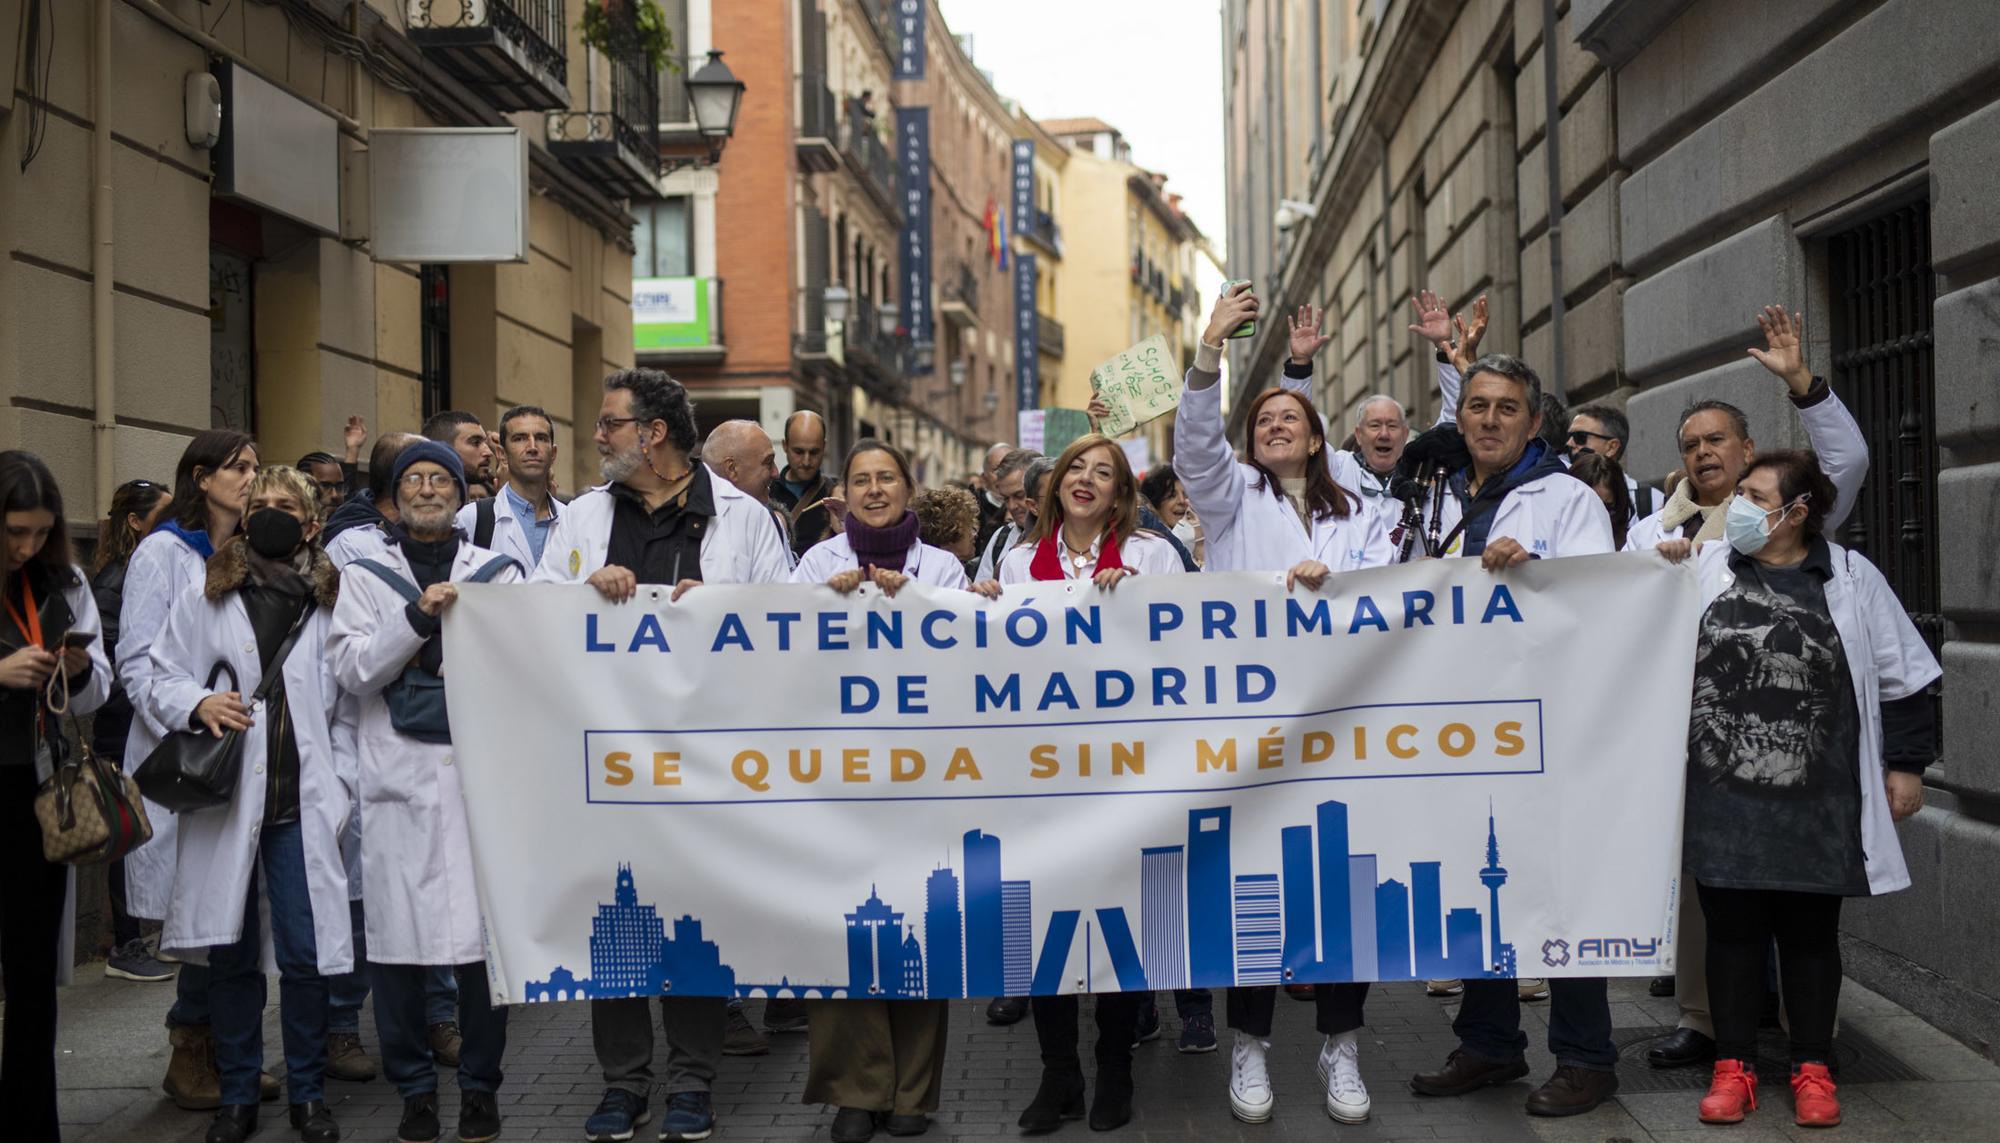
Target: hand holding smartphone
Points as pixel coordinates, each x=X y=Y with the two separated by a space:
x=1248 y=328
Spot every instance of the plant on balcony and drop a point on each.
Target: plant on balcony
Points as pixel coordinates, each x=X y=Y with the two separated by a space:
x=612 y=26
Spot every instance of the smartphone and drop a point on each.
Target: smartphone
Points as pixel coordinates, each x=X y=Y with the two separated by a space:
x=78 y=639
x=1248 y=328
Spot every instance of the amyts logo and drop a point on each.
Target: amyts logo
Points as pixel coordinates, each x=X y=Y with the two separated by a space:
x=1555 y=954
x=1599 y=950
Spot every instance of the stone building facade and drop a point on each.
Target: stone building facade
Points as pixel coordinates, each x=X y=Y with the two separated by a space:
x=1833 y=156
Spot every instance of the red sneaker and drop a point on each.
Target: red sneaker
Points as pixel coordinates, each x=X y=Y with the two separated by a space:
x=1813 y=1103
x=1732 y=1092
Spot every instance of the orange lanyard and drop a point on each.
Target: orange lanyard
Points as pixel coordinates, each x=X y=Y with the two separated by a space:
x=32 y=625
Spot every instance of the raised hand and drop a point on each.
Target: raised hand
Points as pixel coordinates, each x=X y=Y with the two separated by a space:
x=1465 y=350
x=353 y=437
x=1433 y=322
x=1236 y=306
x=1306 y=338
x=1785 y=349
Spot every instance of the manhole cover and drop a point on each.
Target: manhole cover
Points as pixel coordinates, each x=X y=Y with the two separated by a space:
x=1856 y=1059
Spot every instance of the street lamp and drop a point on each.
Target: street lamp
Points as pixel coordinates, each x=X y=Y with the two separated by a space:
x=835 y=300
x=716 y=96
x=886 y=315
x=958 y=371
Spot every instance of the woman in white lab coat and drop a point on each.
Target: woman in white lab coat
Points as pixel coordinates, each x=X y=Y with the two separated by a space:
x=211 y=491
x=878 y=1060
x=281 y=829
x=1277 y=510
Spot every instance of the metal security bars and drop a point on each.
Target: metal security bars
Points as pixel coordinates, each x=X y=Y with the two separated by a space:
x=1882 y=290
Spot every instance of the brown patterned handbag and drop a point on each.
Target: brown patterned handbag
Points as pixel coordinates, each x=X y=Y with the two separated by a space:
x=90 y=811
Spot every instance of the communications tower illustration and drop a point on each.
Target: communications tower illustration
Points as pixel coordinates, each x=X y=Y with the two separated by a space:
x=1493 y=877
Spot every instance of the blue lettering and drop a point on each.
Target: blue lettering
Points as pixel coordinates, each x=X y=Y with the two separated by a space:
x=1161 y=618
x=1057 y=692
x=1417 y=608
x=1168 y=683
x=1502 y=603
x=862 y=686
x=1106 y=700
x=910 y=695
x=731 y=632
x=1088 y=623
x=832 y=631
x=648 y=634
x=1014 y=621
x=985 y=697
x=1298 y=620
x=929 y=631
x=885 y=629
x=1249 y=671
x=1366 y=615
x=591 y=643
x=1217 y=619
x=1458 y=606
x=784 y=620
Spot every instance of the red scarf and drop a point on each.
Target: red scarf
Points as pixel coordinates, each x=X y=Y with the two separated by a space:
x=1048 y=563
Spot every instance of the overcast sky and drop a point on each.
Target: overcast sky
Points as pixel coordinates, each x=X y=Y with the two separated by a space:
x=1151 y=68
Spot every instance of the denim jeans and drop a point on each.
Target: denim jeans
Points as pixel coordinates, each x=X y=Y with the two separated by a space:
x=401 y=1002
x=1193 y=1002
x=190 y=1007
x=349 y=990
x=236 y=989
x=1489 y=1021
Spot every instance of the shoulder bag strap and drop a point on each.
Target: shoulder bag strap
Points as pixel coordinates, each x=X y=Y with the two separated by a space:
x=491 y=568
x=276 y=670
x=483 y=515
x=403 y=587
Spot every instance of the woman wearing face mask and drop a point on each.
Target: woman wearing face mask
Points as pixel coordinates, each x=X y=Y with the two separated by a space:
x=1278 y=509
x=211 y=491
x=1086 y=528
x=1808 y=739
x=879 y=1062
x=281 y=829
x=46 y=599
x=1163 y=508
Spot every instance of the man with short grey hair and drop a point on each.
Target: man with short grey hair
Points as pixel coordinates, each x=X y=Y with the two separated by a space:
x=1010 y=483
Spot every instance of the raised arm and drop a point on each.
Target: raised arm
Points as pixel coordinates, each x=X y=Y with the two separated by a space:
x=1202 y=458
x=1830 y=428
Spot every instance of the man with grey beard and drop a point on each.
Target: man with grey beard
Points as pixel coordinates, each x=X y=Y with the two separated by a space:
x=665 y=519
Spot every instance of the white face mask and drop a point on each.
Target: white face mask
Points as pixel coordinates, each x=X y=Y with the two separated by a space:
x=1748 y=527
x=1185 y=530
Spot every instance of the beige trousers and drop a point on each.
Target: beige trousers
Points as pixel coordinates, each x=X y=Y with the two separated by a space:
x=877 y=1055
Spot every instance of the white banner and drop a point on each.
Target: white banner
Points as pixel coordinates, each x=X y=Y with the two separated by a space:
x=1423 y=771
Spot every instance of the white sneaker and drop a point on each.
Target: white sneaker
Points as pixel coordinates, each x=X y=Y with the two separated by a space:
x=1533 y=988
x=1444 y=987
x=1340 y=1077
x=1250 y=1098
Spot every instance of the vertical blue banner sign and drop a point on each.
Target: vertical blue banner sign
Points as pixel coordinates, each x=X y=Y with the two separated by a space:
x=1024 y=187
x=913 y=159
x=906 y=38
x=1027 y=362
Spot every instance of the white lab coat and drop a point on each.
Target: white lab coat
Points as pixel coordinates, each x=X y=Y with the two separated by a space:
x=83 y=699
x=1358 y=478
x=1248 y=528
x=1832 y=433
x=423 y=907
x=923 y=563
x=1143 y=552
x=162 y=570
x=360 y=542
x=510 y=536
x=1551 y=516
x=217 y=847
x=740 y=545
x=1887 y=659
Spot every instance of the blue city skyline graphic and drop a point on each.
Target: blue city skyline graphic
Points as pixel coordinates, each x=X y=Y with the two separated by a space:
x=1322 y=915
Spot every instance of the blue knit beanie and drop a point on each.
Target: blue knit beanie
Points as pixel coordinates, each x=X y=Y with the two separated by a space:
x=437 y=452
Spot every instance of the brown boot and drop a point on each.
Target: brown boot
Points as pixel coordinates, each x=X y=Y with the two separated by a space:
x=347 y=1060
x=191 y=1080
x=445 y=1042
x=268 y=1088
x=1572 y=1091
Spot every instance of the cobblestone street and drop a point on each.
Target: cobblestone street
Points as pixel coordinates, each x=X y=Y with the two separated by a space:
x=1901 y=1080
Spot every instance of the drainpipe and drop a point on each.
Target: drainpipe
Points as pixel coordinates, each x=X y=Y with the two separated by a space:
x=1552 y=148
x=103 y=380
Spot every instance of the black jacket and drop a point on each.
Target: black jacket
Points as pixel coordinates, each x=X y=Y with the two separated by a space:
x=113 y=722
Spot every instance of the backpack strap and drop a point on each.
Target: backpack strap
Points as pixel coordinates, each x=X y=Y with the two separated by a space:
x=1645 y=501
x=491 y=568
x=403 y=587
x=483 y=516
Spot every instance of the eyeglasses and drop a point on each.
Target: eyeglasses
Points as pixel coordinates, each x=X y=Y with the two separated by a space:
x=331 y=485
x=609 y=425
x=1582 y=436
x=437 y=480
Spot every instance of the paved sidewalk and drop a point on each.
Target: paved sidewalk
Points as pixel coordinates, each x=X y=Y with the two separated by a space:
x=1901 y=1080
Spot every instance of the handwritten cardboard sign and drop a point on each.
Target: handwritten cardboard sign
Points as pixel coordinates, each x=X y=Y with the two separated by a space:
x=1137 y=385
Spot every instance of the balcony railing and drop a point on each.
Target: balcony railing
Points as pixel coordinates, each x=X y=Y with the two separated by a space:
x=819 y=125
x=958 y=294
x=1048 y=335
x=514 y=52
x=869 y=158
x=1045 y=232
x=617 y=146
x=879 y=358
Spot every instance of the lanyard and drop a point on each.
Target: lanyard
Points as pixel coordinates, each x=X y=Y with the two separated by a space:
x=31 y=626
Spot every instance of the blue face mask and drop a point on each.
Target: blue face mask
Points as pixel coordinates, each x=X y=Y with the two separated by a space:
x=1747 y=526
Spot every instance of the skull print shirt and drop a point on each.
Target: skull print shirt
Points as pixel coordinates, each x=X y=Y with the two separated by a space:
x=1773 y=789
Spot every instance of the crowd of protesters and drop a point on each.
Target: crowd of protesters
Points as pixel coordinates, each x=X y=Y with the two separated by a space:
x=330 y=577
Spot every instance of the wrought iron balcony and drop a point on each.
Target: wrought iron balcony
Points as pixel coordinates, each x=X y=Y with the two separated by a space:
x=819 y=125
x=1044 y=232
x=617 y=146
x=877 y=360
x=958 y=295
x=513 y=52
x=869 y=159
x=1048 y=335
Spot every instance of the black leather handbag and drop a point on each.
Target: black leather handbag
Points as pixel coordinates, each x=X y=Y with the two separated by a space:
x=193 y=769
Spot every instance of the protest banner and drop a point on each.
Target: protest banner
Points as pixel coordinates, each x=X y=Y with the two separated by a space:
x=1137 y=385
x=1189 y=781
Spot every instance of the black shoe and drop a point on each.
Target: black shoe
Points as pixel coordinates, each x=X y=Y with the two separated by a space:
x=1464 y=1072
x=853 y=1125
x=1661 y=986
x=1683 y=1047
x=784 y=1014
x=1111 y=1107
x=1572 y=1091
x=314 y=1122
x=233 y=1124
x=1007 y=1010
x=1148 y=1025
x=478 y=1117
x=1059 y=1097
x=902 y=1124
x=420 y=1119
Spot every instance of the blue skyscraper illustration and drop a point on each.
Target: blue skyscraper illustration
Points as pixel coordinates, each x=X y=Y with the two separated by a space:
x=1301 y=905
x=1427 y=921
x=874 y=949
x=1017 y=918
x=1361 y=892
x=1392 y=931
x=1464 y=944
x=985 y=936
x=1163 y=916
x=1336 y=920
x=944 y=939
x=1259 y=930
x=1211 y=951
x=911 y=985
x=625 y=939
